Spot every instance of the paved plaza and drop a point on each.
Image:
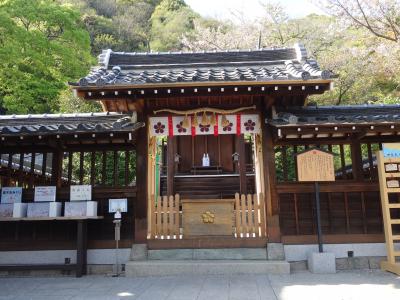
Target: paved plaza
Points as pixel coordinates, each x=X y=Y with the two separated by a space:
x=363 y=284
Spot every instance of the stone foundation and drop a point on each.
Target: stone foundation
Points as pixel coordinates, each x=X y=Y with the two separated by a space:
x=348 y=263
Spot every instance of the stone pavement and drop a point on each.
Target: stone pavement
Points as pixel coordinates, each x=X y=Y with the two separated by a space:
x=364 y=284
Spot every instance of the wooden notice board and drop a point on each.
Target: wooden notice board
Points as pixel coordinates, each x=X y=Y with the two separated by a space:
x=315 y=165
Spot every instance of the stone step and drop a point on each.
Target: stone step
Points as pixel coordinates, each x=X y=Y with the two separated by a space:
x=204 y=267
x=208 y=254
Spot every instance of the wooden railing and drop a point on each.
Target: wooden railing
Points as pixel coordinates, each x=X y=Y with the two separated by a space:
x=347 y=207
x=166 y=218
x=248 y=217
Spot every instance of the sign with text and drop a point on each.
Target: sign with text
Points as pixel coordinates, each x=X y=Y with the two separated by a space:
x=315 y=165
x=117 y=205
x=45 y=194
x=391 y=150
x=11 y=195
x=80 y=193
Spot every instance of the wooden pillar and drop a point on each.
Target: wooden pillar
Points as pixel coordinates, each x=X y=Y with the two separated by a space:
x=21 y=169
x=56 y=168
x=356 y=159
x=32 y=170
x=81 y=248
x=170 y=165
x=140 y=205
x=271 y=197
x=240 y=149
x=44 y=167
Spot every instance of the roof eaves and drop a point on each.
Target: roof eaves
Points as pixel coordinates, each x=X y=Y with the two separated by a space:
x=259 y=81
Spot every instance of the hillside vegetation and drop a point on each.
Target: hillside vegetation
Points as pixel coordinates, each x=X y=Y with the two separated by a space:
x=46 y=43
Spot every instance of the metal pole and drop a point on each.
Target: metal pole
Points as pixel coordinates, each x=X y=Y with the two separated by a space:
x=117 y=238
x=318 y=208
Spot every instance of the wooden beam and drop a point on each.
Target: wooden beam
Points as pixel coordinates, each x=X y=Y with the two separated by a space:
x=333 y=239
x=81 y=167
x=44 y=163
x=208 y=242
x=115 y=168
x=70 y=158
x=328 y=187
x=170 y=164
x=356 y=159
x=240 y=148
x=271 y=197
x=56 y=168
x=32 y=170
x=140 y=207
x=92 y=168
x=16 y=149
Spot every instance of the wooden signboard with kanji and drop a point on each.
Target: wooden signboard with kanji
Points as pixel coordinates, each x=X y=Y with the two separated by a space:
x=315 y=165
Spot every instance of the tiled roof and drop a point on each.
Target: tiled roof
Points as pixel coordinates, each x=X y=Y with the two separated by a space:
x=120 y=68
x=66 y=123
x=318 y=115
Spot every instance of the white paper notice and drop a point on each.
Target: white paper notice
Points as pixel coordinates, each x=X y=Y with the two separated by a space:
x=45 y=194
x=81 y=193
x=115 y=205
x=11 y=195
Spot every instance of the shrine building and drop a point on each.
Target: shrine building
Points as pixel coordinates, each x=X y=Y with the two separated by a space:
x=203 y=146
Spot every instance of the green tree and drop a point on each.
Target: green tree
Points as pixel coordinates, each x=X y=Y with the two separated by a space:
x=121 y=25
x=42 y=46
x=169 y=22
x=69 y=103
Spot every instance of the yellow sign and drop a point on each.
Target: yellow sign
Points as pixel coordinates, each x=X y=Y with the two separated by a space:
x=315 y=165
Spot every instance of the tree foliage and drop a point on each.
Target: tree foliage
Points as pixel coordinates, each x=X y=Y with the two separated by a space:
x=46 y=43
x=42 y=46
x=380 y=17
x=170 y=20
x=367 y=64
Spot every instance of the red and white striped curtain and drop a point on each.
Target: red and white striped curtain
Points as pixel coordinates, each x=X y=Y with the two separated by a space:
x=173 y=125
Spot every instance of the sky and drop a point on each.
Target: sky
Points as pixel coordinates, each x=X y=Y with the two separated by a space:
x=222 y=9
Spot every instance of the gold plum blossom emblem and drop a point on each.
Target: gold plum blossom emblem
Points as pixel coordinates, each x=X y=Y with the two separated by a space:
x=208 y=217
